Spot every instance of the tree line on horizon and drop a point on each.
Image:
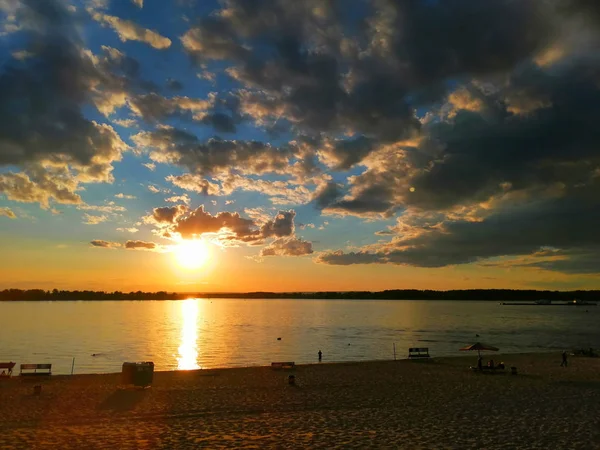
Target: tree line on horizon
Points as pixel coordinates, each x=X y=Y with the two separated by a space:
x=395 y=294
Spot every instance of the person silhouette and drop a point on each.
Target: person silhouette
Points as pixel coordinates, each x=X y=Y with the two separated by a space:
x=320 y=355
x=564 y=362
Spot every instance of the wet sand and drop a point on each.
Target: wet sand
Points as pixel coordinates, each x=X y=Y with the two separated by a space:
x=437 y=403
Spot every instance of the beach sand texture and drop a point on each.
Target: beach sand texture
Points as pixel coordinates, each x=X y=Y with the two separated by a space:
x=434 y=404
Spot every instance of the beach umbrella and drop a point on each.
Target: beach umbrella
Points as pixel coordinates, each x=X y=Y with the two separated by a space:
x=479 y=347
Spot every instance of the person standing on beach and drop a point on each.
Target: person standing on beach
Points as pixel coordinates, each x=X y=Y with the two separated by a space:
x=564 y=362
x=480 y=363
x=320 y=355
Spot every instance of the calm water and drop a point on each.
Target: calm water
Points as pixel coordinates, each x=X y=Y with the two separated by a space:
x=201 y=333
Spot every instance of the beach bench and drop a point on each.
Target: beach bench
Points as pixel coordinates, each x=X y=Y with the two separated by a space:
x=283 y=365
x=416 y=352
x=35 y=370
x=6 y=369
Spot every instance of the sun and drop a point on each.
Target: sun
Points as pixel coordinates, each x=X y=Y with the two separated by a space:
x=191 y=254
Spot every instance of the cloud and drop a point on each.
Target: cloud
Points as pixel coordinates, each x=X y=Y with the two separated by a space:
x=166 y=214
x=150 y=166
x=174 y=146
x=510 y=229
x=174 y=85
x=339 y=258
x=305 y=68
x=104 y=244
x=43 y=187
x=48 y=137
x=131 y=31
x=153 y=189
x=126 y=123
x=138 y=3
x=140 y=245
x=109 y=207
x=128 y=230
x=154 y=107
x=195 y=183
x=7 y=212
x=94 y=220
x=179 y=198
x=125 y=196
x=287 y=247
x=227 y=228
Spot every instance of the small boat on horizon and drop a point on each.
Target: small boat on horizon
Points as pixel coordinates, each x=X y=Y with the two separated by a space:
x=578 y=302
x=546 y=302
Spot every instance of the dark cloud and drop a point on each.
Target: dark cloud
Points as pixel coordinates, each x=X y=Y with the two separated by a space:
x=215 y=155
x=220 y=122
x=339 y=258
x=282 y=225
x=287 y=247
x=174 y=85
x=43 y=93
x=104 y=244
x=568 y=222
x=574 y=261
x=132 y=245
x=305 y=67
x=327 y=195
x=200 y=221
x=166 y=214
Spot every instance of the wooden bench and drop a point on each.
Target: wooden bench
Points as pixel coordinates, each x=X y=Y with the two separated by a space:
x=416 y=352
x=6 y=369
x=44 y=369
x=283 y=365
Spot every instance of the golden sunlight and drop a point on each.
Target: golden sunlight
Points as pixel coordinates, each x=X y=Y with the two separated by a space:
x=188 y=349
x=192 y=254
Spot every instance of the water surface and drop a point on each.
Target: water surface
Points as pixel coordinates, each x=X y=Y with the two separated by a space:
x=205 y=333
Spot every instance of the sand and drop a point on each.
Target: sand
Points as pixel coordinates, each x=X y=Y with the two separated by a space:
x=437 y=403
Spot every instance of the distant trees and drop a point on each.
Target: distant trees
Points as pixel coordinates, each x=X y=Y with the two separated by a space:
x=55 y=294
x=398 y=294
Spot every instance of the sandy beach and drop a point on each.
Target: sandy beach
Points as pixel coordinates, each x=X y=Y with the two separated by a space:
x=437 y=403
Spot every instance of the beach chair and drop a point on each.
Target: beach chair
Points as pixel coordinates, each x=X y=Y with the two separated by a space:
x=6 y=369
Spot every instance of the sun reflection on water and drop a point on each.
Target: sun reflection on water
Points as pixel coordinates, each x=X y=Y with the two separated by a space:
x=188 y=349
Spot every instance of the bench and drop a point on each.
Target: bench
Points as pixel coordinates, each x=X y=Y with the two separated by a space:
x=283 y=365
x=422 y=352
x=6 y=369
x=44 y=369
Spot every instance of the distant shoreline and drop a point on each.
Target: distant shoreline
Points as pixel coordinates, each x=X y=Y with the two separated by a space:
x=399 y=294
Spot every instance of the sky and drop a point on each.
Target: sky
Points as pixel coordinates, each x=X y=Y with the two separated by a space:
x=284 y=145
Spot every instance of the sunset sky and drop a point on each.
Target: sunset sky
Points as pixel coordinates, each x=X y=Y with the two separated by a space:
x=290 y=145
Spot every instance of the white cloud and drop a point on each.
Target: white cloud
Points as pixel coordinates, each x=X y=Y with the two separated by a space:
x=125 y=196
x=94 y=220
x=179 y=198
x=128 y=230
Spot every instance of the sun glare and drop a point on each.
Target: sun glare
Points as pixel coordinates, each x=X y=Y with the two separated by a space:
x=191 y=254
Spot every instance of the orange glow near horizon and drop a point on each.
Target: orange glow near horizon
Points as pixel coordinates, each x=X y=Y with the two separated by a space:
x=188 y=349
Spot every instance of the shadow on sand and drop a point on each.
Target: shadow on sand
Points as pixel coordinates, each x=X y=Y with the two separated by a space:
x=123 y=400
x=587 y=384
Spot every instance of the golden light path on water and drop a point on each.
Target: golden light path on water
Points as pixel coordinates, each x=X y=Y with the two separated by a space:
x=188 y=349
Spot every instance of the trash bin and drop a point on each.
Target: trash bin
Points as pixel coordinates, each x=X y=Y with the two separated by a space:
x=138 y=374
x=128 y=373
x=144 y=374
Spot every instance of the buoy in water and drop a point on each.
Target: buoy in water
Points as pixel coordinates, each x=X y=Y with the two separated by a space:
x=278 y=339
